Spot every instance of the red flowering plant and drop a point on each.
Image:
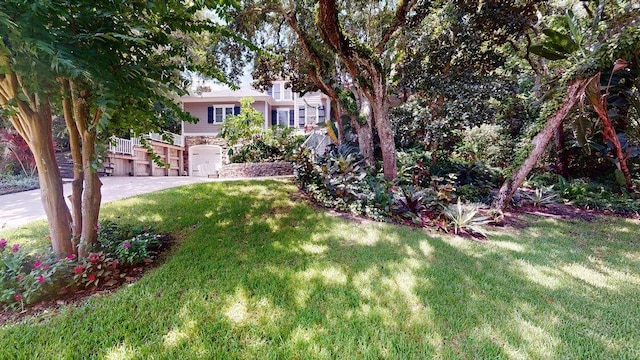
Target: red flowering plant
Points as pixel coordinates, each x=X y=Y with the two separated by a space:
x=27 y=278
x=97 y=269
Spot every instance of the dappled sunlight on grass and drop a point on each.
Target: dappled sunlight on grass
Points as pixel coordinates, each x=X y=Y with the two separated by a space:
x=540 y=274
x=180 y=334
x=328 y=275
x=314 y=248
x=426 y=249
x=236 y=307
x=590 y=276
x=508 y=245
x=122 y=352
x=258 y=275
x=31 y=237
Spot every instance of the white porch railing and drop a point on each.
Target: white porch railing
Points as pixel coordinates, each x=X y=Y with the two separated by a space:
x=121 y=146
x=126 y=146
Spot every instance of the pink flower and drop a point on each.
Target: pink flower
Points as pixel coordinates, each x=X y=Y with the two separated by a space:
x=71 y=256
x=126 y=245
x=78 y=269
x=91 y=277
x=18 y=297
x=3 y=244
x=15 y=248
x=37 y=264
x=41 y=279
x=97 y=227
x=19 y=278
x=93 y=258
x=45 y=267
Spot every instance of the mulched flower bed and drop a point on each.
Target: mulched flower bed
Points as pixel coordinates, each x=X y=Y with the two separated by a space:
x=75 y=296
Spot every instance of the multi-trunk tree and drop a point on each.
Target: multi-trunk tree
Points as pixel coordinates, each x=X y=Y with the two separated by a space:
x=105 y=67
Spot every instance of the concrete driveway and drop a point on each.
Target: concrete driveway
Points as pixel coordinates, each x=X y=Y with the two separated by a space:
x=24 y=207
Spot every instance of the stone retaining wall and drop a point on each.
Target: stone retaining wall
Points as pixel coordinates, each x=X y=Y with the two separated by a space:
x=256 y=169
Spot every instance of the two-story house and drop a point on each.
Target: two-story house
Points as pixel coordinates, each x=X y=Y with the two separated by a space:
x=205 y=151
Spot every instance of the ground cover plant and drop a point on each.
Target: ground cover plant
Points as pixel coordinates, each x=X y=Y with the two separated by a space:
x=10 y=183
x=33 y=274
x=259 y=273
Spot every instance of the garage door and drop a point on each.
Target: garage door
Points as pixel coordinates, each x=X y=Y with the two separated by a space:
x=204 y=160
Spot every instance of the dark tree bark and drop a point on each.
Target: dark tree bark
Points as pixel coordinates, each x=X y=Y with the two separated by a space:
x=540 y=141
x=561 y=159
x=366 y=70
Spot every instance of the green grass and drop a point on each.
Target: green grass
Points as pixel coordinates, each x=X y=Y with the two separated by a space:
x=260 y=276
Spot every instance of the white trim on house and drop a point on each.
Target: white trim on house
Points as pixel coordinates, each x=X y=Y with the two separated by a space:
x=267 y=111
x=224 y=112
x=200 y=134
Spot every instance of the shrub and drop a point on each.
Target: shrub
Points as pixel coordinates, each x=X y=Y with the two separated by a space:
x=129 y=245
x=485 y=143
x=541 y=196
x=409 y=203
x=18 y=151
x=25 y=278
x=275 y=144
x=12 y=183
x=339 y=180
x=596 y=196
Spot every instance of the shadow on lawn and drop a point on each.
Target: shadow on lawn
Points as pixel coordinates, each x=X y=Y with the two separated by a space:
x=260 y=276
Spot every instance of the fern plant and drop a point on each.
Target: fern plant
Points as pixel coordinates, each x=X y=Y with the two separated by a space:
x=466 y=218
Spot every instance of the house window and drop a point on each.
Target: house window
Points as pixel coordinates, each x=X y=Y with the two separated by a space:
x=312 y=115
x=283 y=117
x=301 y=116
x=321 y=114
x=276 y=91
x=309 y=115
x=288 y=95
x=218 y=113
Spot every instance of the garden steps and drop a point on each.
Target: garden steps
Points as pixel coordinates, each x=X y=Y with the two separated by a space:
x=65 y=164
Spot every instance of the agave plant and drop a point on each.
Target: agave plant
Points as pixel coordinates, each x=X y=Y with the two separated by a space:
x=466 y=218
x=542 y=196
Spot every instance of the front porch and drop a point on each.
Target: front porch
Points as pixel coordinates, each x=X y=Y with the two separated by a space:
x=130 y=157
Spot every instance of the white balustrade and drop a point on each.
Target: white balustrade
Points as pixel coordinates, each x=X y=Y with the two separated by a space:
x=126 y=146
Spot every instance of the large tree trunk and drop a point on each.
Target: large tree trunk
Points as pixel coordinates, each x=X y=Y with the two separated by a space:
x=33 y=122
x=364 y=131
x=540 y=141
x=91 y=197
x=41 y=144
x=387 y=141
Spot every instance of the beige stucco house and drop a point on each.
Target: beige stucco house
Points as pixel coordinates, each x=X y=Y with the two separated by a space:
x=205 y=152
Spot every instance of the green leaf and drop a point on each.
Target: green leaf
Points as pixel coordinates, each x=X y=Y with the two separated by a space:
x=559 y=42
x=620 y=177
x=575 y=33
x=543 y=51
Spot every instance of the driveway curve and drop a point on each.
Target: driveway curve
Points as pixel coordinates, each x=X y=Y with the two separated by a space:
x=24 y=207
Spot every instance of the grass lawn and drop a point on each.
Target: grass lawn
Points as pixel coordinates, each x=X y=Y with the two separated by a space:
x=258 y=275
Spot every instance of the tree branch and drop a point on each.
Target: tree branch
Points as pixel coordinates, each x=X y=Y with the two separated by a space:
x=404 y=7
